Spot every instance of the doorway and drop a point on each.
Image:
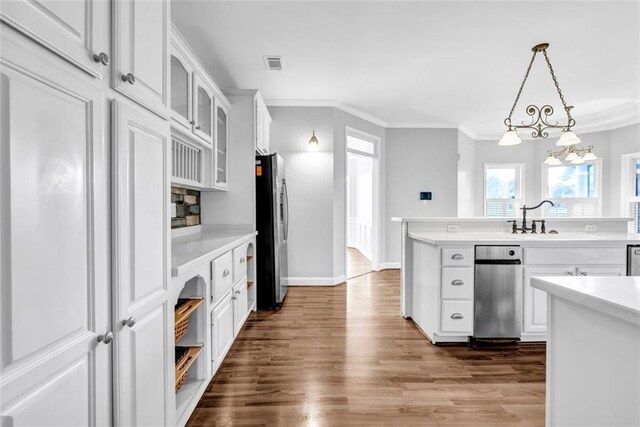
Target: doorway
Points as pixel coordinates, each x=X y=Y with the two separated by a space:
x=361 y=203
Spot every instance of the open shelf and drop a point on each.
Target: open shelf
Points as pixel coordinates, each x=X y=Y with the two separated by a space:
x=185 y=396
x=249 y=284
x=184 y=361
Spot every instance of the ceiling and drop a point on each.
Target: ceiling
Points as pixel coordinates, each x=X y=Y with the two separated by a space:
x=426 y=63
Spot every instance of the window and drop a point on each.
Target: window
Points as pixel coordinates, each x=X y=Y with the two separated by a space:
x=503 y=188
x=360 y=145
x=573 y=188
x=631 y=190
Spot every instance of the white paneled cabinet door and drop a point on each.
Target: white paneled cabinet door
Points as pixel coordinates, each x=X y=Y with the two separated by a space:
x=75 y=30
x=54 y=243
x=141 y=46
x=535 y=300
x=222 y=328
x=181 y=84
x=222 y=148
x=140 y=269
x=239 y=305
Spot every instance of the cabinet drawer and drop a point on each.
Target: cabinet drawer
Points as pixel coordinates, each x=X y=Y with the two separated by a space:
x=457 y=256
x=222 y=276
x=573 y=256
x=239 y=262
x=456 y=316
x=457 y=283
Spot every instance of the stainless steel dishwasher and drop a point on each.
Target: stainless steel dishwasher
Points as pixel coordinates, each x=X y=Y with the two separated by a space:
x=497 y=311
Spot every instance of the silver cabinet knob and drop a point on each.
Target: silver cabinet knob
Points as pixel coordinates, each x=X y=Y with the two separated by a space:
x=129 y=322
x=102 y=58
x=457 y=256
x=457 y=282
x=457 y=316
x=192 y=122
x=225 y=273
x=234 y=298
x=238 y=292
x=129 y=78
x=198 y=127
x=570 y=273
x=584 y=273
x=242 y=260
x=106 y=338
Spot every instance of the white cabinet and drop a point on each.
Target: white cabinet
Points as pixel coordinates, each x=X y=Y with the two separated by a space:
x=75 y=30
x=55 y=242
x=222 y=329
x=181 y=88
x=263 y=124
x=141 y=52
x=240 y=308
x=140 y=266
x=535 y=301
x=202 y=109
x=222 y=148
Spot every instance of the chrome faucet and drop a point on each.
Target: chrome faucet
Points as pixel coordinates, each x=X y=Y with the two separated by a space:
x=524 y=228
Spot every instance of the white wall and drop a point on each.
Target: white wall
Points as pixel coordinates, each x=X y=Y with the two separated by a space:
x=418 y=160
x=310 y=183
x=466 y=175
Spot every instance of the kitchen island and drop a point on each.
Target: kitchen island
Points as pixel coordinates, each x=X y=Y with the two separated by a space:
x=437 y=261
x=593 y=350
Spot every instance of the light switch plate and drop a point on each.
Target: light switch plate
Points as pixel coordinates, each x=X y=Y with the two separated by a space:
x=590 y=228
x=452 y=228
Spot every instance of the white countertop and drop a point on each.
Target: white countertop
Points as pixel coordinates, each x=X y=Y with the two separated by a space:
x=438 y=238
x=616 y=296
x=210 y=242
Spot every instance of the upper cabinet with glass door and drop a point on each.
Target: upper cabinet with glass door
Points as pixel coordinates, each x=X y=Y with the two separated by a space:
x=200 y=113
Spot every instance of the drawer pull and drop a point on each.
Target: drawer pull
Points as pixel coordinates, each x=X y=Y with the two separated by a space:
x=584 y=273
x=457 y=282
x=225 y=273
x=102 y=58
x=130 y=78
x=457 y=316
x=457 y=257
x=570 y=273
x=242 y=260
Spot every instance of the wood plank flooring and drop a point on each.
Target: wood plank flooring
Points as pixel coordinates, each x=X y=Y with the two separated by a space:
x=345 y=356
x=357 y=264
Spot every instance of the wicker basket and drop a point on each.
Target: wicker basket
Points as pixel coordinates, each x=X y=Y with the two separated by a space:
x=185 y=356
x=184 y=308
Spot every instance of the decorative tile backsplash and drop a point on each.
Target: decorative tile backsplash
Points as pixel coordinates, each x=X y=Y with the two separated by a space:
x=187 y=207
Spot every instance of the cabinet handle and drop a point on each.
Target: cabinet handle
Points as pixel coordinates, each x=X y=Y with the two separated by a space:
x=238 y=292
x=192 y=122
x=102 y=58
x=234 y=298
x=570 y=273
x=106 y=338
x=129 y=78
x=225 y=273
x=584 y=273
x=457 y=316
x=457 y=282
x=129 y=322
x=198 y=127
x=457 y=256
x=242 y=260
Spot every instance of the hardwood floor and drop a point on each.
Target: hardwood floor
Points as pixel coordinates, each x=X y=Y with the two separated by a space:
x=357 y=264
x=345 y=356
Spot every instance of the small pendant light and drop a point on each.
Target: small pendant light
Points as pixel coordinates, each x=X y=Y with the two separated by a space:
x=313 y=142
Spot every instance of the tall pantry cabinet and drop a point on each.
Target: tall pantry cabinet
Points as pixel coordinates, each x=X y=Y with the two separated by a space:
x=84 y=224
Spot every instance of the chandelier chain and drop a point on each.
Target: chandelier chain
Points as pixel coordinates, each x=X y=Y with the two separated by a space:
x=555 y=81
x=526 y=75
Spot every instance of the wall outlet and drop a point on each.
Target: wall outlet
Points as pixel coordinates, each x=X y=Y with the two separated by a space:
x=590 y=228
x=452 y=228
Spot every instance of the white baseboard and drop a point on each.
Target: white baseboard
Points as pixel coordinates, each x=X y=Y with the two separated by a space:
x=316 y=281
x=389 y=265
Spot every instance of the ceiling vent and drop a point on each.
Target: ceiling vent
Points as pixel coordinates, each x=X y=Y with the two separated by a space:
x=273 y=63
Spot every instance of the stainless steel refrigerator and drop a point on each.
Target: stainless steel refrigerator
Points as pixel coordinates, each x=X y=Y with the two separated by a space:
x=272 y=222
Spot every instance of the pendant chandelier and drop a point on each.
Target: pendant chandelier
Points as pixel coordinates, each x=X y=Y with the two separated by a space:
x=540 y=122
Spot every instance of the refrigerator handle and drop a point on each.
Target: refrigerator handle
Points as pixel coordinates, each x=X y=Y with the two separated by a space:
x=286 y=221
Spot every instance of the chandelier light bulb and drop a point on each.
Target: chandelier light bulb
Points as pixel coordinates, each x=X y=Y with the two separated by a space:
x=510 y=138
x=571 y=156
x=568 y=138
x=589 y=156
x=577 y=160
x=552 y=161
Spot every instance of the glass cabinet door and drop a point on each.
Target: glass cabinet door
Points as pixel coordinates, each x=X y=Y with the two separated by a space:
x=203 y=110
x=180 y=91
x=222 y=136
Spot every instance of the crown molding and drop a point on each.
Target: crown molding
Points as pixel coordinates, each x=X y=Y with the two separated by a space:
x=612 y=118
